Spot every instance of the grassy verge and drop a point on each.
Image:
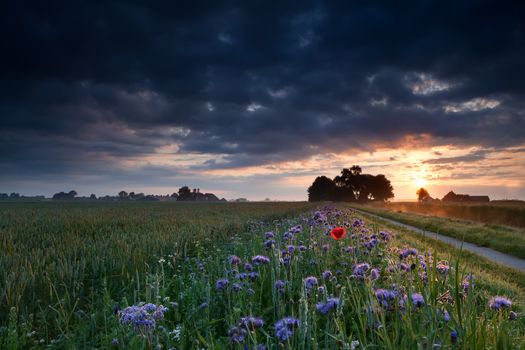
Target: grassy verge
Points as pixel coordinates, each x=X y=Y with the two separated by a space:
x=506 y=214
x=501 y=238
x=498 y=278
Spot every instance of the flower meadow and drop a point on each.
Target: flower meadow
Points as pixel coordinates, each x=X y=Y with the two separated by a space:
x=325 y=279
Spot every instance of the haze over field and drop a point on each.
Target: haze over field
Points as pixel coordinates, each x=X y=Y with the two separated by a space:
x=255 y=100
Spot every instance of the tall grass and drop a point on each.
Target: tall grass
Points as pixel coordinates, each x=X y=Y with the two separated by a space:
x=57 y=259
x=203 y=316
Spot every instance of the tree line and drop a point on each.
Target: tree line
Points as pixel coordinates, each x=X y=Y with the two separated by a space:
x=351 y=186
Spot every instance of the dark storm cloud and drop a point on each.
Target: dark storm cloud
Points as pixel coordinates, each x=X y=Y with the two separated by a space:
x=254 y=82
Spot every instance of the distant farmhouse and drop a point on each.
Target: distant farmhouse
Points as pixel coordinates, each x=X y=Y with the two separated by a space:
x=452 y=197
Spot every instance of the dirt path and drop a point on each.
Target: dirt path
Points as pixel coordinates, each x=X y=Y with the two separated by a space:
x=491 y=254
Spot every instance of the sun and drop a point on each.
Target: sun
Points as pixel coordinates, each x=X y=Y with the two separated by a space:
x=420 y=182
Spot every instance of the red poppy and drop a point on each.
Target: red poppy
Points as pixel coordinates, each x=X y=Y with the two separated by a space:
x=338 y=233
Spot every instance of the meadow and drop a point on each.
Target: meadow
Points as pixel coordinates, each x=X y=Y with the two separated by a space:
x=503 y=238
x=242 y=276
x=507 y=213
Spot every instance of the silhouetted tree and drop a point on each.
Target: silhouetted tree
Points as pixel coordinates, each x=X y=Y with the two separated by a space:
x=323 y=189
x=62 y=195
x=93 y=196
x=351 y=185
x=123 y=195
x=14 y=195
x=184 y=194
x=381 y=189
x=422 y=194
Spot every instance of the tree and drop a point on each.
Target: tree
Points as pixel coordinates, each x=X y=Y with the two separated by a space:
x=184 y=194
x=123 y=195
x=422 y=194
x=62 y=195
x=93 y=196
x=351 y=185
x=322 y=189
x=381 y=189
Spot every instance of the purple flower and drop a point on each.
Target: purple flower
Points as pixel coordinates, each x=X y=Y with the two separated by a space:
x=442 y=267
x=302 y=248
x=290 y=248
x=115 y=342
x=253 y=276
x=417 y=299
x=236 y=287
x=248 y=267
x=446 y=316
x=360 y=269
x=453 y=337
x=234 y=260
x=260 y=259
x=280 y=285
x=374 y=274
x=385 y=296
x=269 y=243
x=349 y=249
x=327 y=274
x=222 y=283
x=284 y=328
x=237 y=334
x=326 y=247
x=241 y=275
x=407 y=252
x=309 y=282
x=268 y=235
x=468 y=282
x=251 y=323
x=330 y=304
x=499 y=302
x=144 y=315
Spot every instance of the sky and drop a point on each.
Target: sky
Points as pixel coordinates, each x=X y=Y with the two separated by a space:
x=255 y=99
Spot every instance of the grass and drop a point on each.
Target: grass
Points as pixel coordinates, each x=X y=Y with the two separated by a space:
x=505 y=239
x=497 y=213
x=122 y=255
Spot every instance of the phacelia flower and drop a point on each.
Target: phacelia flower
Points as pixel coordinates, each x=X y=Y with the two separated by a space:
x=142 y=315
x=260 y=259
x=330 y=304
x=407 y=252
x=284 y=328
x=237 y=334
x=268 y=235
x=280 y=285
x=221 y=284
x=384 y=297
x=417 y=299
x=327 y=274
x=251 y=322
x=309 y=282
x=453 y=337
x=360 y=269
x=374 y=274
x=234 y=260
x=499 y=302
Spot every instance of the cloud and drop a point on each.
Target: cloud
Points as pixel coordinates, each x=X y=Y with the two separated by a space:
x=250 y=84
